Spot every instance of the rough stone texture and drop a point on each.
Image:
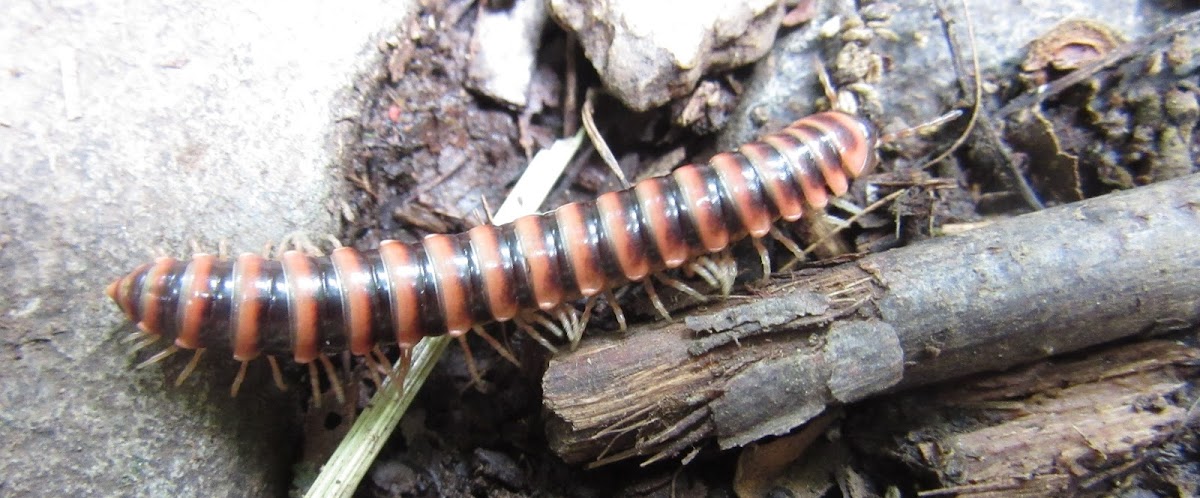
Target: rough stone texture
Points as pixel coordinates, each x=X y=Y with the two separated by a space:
x=648 y=52
x=504 y=48
x=190 y=121
x=920 y=83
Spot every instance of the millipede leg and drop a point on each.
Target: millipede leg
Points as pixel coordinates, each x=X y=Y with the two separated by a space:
x=724 y=268
x=237 y=381
x=680 y=286
x=476 y=379
x=533 y=333
x=150 y=339
x=300 y=242
x=385 y=365
x=763 y=256
x=572 y=326
x=160 y=356
x=583 y=321
x=791 y=246
x=373 y=369
x=284 y=242
x=587 y=309
x=722 y=271
x=655 y=301
x=403 y=364
x=578 y=325
x=843 y=224
x=616 y=309
x=191 y=367
x=503 y=351
x=699 y=269
x=134 y=337
x=276 y=373
x=547 y=324
x=334 y=380
x=314 y=381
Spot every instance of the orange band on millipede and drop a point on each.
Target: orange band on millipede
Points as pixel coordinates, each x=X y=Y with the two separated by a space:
x=246 y=306
x=152 y=291
x=355 y=285
x=542 y=276
x=573 y=230
x=622 y=232
x=671 y=247
x=772 y=169
x=196 y=297
x=750 y=210
x=713 y=234
x=447 y=268
x=496 y=273
x=403 y=277
x=302 y=305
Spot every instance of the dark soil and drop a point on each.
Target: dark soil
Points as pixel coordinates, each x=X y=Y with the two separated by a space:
x=431 y=153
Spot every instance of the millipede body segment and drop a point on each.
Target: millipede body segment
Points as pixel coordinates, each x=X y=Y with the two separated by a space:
x=308 y=306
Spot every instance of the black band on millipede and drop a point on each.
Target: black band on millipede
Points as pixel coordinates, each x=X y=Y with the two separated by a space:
x=432 y=320
x=522 y=286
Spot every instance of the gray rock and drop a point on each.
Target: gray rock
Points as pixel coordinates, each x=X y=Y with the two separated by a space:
x=128 y=130
x=920 y=82
x=503 y=50
x=649 y=52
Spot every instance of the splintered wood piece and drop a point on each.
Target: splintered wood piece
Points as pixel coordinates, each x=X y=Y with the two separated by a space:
x=1058 y=427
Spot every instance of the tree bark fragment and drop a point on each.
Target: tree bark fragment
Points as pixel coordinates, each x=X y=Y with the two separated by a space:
x=1061 y=427
x=1023 y=289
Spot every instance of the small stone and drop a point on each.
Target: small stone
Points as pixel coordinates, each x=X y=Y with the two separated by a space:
x=499 y=467
x=393 y=477
x=504 y=50
x=648 y=53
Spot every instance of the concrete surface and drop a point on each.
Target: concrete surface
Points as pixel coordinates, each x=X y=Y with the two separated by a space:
x=129 y=129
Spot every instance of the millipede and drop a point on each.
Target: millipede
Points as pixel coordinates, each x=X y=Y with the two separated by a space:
x=313 y=306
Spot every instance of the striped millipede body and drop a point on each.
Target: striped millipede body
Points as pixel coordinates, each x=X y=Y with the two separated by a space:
x=310 y=306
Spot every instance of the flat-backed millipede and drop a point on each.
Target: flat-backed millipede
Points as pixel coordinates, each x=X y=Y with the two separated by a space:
x=312 y=306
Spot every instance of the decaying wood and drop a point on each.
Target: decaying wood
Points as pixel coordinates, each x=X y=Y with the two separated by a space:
x=1027 y=288
x=1054 y=428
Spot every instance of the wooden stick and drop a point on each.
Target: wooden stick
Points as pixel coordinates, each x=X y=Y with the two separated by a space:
x=1026 y=288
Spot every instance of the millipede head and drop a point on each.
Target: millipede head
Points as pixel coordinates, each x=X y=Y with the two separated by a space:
x=853 y=140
